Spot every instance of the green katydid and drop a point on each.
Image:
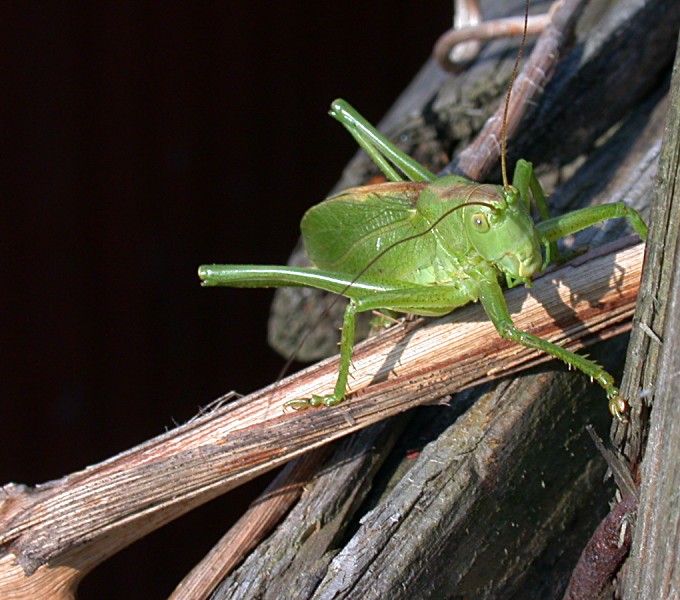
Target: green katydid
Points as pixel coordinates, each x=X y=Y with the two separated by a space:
x=426 y=245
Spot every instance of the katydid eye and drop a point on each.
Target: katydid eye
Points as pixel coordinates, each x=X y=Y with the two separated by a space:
x=480 y=222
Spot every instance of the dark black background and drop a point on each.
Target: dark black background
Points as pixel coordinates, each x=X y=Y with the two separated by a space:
x=140 y=140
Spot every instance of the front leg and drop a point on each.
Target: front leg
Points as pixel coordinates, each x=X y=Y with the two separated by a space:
x=559 y=227
x=495 y=306
x=525 y=180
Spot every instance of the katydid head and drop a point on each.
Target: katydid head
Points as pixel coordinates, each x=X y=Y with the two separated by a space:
x=503 y=233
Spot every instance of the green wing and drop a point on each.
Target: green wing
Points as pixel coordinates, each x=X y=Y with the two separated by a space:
x=348 y=231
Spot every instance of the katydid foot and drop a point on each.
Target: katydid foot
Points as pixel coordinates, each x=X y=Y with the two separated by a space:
x=618 y=406
x=314 y=401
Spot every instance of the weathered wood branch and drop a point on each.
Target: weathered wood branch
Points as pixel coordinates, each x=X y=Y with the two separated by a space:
x=653 y=569
x=107 y=506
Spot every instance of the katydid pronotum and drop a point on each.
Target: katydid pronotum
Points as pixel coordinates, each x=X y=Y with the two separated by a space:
x=426 y=245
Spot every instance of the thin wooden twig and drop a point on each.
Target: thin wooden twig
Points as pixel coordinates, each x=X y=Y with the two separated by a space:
x=452 y=49
x=478 y=159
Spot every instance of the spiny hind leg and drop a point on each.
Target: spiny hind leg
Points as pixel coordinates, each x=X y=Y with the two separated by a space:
x=494 y=303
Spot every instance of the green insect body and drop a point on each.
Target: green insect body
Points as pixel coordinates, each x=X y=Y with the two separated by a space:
x=426 y=245
x=414 y=217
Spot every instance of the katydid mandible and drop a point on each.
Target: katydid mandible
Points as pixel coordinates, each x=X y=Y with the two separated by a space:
x=426 y=245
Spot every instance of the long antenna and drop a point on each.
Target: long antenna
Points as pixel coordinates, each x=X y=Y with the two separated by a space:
x=515 y=70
